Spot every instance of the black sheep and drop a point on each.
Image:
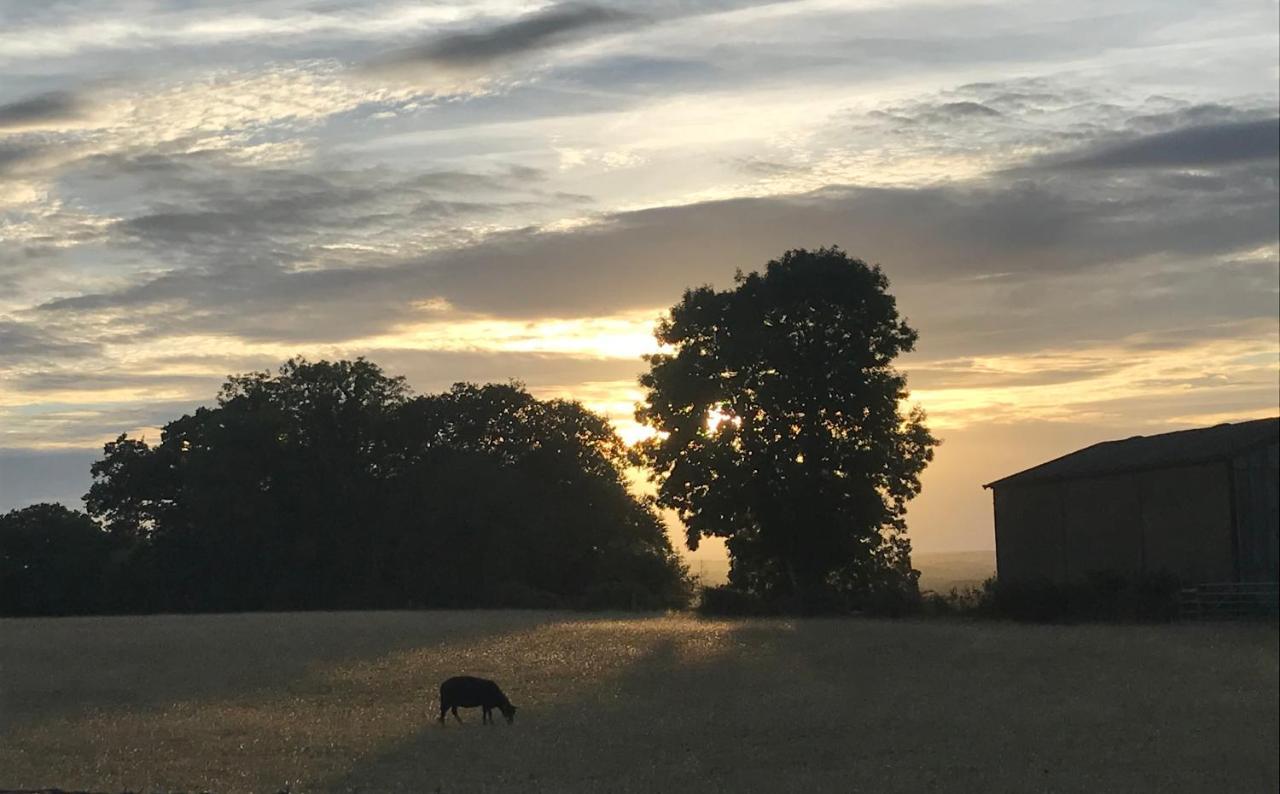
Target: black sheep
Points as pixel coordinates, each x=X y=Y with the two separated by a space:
x=468 y=692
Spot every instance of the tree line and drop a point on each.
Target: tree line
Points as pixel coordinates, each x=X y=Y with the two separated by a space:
x=327 y=486
x=777 y=425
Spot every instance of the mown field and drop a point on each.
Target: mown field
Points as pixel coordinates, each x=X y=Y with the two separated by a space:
x=346 y=702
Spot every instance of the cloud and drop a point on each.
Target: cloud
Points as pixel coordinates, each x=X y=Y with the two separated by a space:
x=68 y=405
x=975 y=373
x=942 y=113
x=436 y=370
x=39 y=382
x=967 y=109
x=629 y=74
x=88 y=424
x=1191 y=115
x=41 y=110
x=764 y=168
x=473 y=50
x=1191 y=147
x=992 y=237
x=1024 y=228
x=210 y=211
x=17 y=156
x=22 y=342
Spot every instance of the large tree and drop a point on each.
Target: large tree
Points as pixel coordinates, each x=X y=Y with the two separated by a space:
x=780 y=428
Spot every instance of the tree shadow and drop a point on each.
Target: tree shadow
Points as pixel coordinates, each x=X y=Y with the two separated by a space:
x=639 y=717
x=61 y=667
x=865 y=705
x=660 y=704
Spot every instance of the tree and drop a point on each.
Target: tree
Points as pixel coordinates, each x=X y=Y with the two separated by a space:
x=53 y=561
x=507 y=491
x=328 y=485
x=266 y=500
x=779 y=428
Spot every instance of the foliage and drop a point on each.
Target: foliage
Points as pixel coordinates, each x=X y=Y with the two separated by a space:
x=327 y=485
x=53 y=561
x=1098 y=597
x=779 y=429
x=1101 y=596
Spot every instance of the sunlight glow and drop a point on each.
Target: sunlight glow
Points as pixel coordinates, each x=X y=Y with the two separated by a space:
x=1223 y=366
x=625 y=336
x=717 y=417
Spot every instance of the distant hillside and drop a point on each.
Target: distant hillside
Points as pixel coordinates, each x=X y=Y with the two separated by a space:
x=939 y=571
x=709 y=571
x=942 y=570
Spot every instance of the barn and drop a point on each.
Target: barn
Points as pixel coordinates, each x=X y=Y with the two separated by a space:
x=1200 y=504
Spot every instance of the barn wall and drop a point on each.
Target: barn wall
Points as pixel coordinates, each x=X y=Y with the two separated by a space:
x=1256 y=477
x=1173 y=520
x=1029 y=533
x=1103 y=526
x=1187 y=521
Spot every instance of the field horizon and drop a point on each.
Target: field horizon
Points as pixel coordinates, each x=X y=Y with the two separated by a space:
x=340 y=702
x=940 y=571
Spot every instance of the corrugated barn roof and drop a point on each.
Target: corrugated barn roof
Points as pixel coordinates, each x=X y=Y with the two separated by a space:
x=1166 y=450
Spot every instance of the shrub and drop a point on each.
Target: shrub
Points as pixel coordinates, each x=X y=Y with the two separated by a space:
x=1101 y=596
x=972 y=600
x=892 y=600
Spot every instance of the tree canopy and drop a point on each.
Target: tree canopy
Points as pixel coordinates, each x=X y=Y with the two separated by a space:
x=53 y=561
x=777 y=407
x=329 y=485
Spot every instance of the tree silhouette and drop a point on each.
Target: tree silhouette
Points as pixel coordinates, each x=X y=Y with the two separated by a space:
x=780 y=429
x=53 y=561
x=327 y=485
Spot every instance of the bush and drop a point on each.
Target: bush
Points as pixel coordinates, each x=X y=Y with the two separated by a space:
x=895 y=600
x=974 y=600
x=1101 y=596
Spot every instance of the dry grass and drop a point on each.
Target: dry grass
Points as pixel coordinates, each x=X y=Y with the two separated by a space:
x=344 y=702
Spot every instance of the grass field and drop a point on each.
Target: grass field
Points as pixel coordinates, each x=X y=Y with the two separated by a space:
x=344 y=702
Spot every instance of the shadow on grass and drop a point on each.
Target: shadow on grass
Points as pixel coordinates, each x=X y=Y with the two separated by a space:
x=638 y=711
x=663 y=704
x=63 y=667
x=867 y=705
x=284 y=714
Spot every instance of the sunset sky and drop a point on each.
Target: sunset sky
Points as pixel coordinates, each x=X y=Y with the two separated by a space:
x=1076 y=205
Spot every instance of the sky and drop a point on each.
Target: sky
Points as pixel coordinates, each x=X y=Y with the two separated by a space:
x=1076 y=204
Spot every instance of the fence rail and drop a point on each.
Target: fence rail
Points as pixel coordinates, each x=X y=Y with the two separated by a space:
x=1229 y=600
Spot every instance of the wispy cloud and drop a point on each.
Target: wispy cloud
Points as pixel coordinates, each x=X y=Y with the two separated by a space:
x=1203 y=146
x=472 y=49
x=26 y=342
